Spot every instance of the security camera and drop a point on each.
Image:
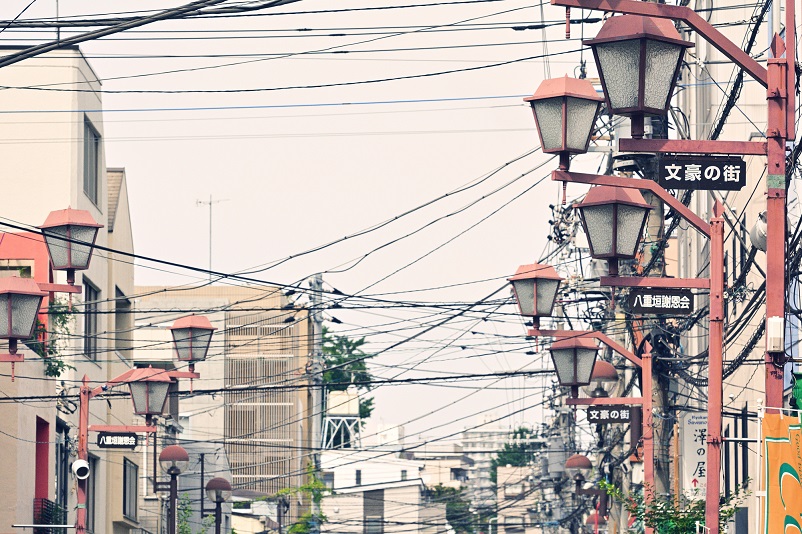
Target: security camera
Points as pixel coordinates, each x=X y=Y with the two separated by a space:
x=80 y=468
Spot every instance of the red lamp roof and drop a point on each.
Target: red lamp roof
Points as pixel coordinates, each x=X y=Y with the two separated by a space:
x=218 y=483
x=20 y=286
x=70 y=216
x=604 y=372
x=193 y=321
x=174 y=453
x=575 y=343
x=625 y=27
x=535 y=271
x=578 y=461
x=605 y=194
x=565 y=86
x=144 y=374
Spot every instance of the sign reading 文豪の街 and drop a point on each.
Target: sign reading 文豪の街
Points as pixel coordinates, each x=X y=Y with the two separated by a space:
x=702 y=173
x=782 y=477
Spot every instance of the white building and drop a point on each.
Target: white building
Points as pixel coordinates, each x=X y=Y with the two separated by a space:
x=481 y=444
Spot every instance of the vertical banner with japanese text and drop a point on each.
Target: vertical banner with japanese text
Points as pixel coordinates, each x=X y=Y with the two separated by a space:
x=782 y=481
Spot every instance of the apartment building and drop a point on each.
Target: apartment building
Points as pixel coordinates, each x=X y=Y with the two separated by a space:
x=250 y=418
x=51 y=159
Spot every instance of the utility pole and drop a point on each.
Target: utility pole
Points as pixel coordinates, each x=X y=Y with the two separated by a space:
x=315 y=371
x=210 y=203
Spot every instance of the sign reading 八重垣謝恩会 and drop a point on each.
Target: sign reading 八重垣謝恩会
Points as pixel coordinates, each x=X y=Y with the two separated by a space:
x=661 y=301
x=702 y=173
x=117 y=440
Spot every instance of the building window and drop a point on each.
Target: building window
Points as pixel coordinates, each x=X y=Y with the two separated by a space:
x=123 y=323
x=91 y=161
x=62 y=464
x=328 y=479
x=403 y=474
x=91 y=298
x=90 y=495
x=358 y=477
x=130 y=496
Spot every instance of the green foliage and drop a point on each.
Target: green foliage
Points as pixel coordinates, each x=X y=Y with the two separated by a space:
x=184 y=514
x=667 y=516
x=458 y=511
x=314 y=489
x=60 y=318
x=345 y=362
x=516 y=454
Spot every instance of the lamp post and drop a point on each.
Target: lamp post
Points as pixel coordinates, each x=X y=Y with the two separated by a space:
x=70 y=238
x=535 y=288
x=779 y=78
x=578 y=468
x=149 y=388
x=20 y=299
x=174 y=460
x=565 y=111
x=576 y=349
x=219 y=491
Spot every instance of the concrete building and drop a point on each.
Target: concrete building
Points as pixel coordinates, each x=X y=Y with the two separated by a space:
x=481 y=444
x=54 y=159
x=373 y=493
x=258 y=435
x=443 y=464
x=516 y=500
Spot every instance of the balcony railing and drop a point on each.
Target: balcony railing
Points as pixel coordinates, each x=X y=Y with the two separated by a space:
x=48 y=513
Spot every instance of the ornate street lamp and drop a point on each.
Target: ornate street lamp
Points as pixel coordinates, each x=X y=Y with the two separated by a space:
x=535 y=287
x=191 y=337
x=70 y=238
x=149 y=389
x=613 y=219
x=218 y=490
x=638 y=59
x=565 y=111
x=602 y=381
x=174 y=460
x=578 y=467
x=20 y=299
x=574 y=359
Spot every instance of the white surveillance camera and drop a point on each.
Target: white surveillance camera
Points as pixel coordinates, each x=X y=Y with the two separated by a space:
x=80 y=468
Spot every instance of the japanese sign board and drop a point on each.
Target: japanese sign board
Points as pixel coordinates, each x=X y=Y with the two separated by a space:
x=694 y=455
x=702 y=173
x=117 y=440
x=609 y=414
x=661 y=301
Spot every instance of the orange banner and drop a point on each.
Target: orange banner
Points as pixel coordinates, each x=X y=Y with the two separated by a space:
x=782 y=480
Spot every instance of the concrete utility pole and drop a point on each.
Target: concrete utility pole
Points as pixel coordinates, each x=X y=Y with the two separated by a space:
x=315 y=371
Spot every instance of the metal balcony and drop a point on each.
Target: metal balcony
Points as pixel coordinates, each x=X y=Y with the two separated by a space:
x=47 y=512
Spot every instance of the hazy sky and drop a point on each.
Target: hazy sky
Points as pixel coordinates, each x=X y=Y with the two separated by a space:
x=298 y=168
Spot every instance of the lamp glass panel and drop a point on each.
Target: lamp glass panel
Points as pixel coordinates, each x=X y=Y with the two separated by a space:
x=599 y=226
x=546 y=293
x=82 y=253
x=661 y=65
x=139 y=395
x=58 y=246
x=191 y=343
x=525 y=292
x=619 y=64
x=23 y=314
x=217 y=495
x=157 y=397
x=549 y=115
x=585 y=358
x=564 y=365
x=630 y=224
x=4 y=326
x=581 y=116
